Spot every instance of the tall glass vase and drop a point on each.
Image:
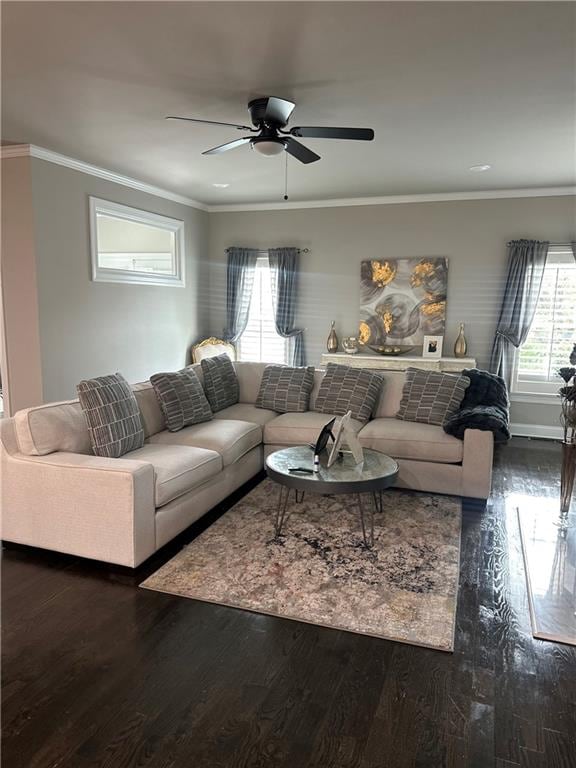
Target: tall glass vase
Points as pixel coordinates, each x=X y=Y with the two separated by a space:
x=568 y=471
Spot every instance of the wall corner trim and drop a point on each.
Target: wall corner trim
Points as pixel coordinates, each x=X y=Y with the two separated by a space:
x=31 y=150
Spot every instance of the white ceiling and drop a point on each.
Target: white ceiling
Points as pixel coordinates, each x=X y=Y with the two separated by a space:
x=444 y=85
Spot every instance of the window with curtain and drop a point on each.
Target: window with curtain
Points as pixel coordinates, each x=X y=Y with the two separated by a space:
x=553 y=331
x=260 y=342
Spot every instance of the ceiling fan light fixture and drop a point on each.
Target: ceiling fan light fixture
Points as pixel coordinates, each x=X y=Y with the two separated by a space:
x=270 y=116
x=268 y=147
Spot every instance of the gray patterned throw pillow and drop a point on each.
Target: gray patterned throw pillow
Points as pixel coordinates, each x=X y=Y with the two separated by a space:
x=346 y=389
x=284 y=389
x=220 y=382
x=431 y=397
x=181 y=398
x=112 y=415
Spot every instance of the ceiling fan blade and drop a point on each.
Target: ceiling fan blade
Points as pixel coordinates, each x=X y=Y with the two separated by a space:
x=278 y=110
x=309 y=132
x=209 y=122
x=300 y=152
x=226 y=147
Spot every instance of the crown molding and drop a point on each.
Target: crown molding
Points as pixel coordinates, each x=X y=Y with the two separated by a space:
x=30 y=150
x=440 y=197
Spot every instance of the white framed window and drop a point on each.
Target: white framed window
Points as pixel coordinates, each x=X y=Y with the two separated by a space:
x=260 y=341
x=553 y=331
x=129 y=245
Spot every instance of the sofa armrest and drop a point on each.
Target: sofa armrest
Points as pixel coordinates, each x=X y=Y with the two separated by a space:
x=84 y=505
x=478 y=453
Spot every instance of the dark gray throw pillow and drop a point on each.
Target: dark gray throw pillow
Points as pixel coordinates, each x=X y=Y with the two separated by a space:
x=220 y=382
x=181 y=398
x=112 y=415
x=346 y=389
x=284 y=389
x=431 y=397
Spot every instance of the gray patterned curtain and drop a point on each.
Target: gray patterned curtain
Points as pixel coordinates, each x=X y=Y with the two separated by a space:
x=526 y=263
x=239 y=284
x=284 y=268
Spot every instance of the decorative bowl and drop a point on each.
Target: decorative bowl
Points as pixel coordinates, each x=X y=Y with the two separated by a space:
x=391 y=350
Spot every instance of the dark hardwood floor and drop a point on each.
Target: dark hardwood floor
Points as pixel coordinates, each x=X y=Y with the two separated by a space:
x=97 y=672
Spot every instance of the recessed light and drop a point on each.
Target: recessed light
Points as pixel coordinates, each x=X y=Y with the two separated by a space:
x=479 y=168
x=220 y=185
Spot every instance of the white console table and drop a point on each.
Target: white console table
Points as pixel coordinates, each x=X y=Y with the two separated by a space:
x=398 y=362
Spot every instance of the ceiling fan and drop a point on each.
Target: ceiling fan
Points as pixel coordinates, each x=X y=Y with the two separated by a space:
x=270 y=117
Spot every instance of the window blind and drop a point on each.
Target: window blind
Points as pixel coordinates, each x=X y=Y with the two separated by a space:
x=260 y=342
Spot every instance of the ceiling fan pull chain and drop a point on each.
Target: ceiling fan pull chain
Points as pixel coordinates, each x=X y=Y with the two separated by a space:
x=286 y=176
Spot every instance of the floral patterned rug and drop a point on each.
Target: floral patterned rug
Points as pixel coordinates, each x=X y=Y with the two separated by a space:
x=319 y=571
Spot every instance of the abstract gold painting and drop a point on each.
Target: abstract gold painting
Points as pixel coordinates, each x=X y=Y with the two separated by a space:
x=402 y=300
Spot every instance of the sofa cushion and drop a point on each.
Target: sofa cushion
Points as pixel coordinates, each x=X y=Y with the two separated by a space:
x=298 y=428
x=151 y=414
x=431 y=397
x=249 y=376
x=246 y=412
x=318 y=376
x=112 y=415
x=411 y=440
x=285 y=389
x=53 y=427
x=390 y=394
x=346 y=389
x=177 y=468
x=230 y=438
x=220 y=382
x=181 y=398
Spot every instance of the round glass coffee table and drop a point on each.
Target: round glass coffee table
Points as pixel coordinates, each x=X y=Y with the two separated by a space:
x=366 y=481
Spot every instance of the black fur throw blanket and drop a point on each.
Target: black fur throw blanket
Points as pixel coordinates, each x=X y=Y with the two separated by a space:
x=485 y=406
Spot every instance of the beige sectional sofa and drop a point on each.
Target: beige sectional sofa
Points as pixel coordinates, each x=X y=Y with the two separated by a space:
x=57 y=495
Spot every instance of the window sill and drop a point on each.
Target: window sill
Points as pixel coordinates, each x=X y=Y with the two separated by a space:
x=541 y=398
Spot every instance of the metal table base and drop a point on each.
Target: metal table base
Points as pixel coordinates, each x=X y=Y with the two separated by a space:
x=367 y=530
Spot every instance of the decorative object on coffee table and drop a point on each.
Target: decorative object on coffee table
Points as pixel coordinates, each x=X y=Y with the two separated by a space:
x=292 y=468
x=461 y=345
x=432 y=346
x=345 y=439
x=332 y=341
x=404 y=589
x=568 y=420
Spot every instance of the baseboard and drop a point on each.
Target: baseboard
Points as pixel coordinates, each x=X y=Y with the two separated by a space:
x=537 y=430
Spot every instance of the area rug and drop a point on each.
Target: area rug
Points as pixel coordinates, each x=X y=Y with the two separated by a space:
x=550 y=564
x=319 y=571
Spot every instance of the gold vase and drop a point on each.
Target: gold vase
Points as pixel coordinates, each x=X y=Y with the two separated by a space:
x=567 y=473
x=461 y=345
x=332 y=342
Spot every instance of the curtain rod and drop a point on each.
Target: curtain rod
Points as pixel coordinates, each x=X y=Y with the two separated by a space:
x=551 y=245
x=265 y=250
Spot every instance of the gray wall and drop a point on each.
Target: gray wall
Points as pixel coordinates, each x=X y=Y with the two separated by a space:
x=90 y=329
x=20 y=342
x=472 y=234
